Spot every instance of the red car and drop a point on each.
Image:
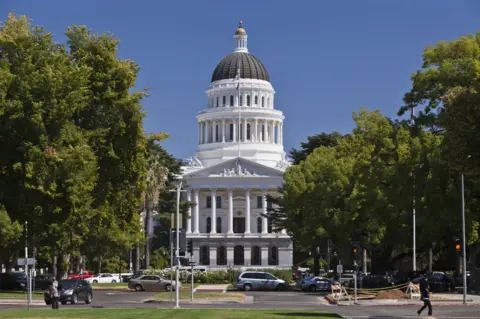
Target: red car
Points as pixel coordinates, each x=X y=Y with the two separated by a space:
x=82 y=275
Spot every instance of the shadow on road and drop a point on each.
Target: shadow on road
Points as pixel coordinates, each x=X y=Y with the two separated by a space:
x=312 y=314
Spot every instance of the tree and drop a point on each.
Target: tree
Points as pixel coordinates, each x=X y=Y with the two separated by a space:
x=313 y=142
x=10 y=234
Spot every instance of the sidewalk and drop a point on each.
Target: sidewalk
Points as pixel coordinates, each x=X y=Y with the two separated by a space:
x=212 y=288
x=12 y=301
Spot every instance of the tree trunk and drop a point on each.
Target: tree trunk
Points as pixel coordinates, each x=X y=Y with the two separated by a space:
x=62 y=265
x=54 y=263
x=100 y=264
x=148 y=221
x=430 y=259
x=137 y=257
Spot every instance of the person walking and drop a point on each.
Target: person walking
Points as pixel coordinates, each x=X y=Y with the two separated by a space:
x=54 y=295
x=425 y=293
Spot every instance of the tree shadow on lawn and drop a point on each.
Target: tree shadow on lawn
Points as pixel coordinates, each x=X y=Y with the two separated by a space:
x=306 y=314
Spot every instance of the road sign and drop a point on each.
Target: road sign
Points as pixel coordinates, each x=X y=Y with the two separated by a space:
x=339 y=269
x=28 y=261
x=192 y=263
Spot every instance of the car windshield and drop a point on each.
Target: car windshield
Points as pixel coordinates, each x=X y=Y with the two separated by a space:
x=66 y=284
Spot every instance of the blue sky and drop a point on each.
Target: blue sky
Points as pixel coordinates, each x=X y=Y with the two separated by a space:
x=325 y=58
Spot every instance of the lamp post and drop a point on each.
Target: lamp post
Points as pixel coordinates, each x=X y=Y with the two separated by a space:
x=464 y=250
x=177 y=189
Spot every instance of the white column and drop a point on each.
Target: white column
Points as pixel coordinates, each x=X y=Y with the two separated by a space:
x=247 y=211
x=207 y=132
x=214 y=211
x=264 y=212
x=235 y=101
x=223 y=130
x=230 y=211
x=256 y=131
x=189 y=220
x=196 y=211
x=280 y=135
x=266 y=131
x=199 y=133
x=234 y=131
x=245 y=130
x=271 y=133
x=214 y=131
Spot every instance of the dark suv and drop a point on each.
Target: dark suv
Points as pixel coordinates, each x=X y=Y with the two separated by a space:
x=14 y=280
x=72 y=290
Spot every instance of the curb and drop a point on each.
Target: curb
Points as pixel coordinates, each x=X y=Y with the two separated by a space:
x=196 y=302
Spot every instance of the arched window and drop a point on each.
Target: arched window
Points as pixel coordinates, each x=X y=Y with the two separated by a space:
x=204 y=255
x=209 y=225
x=224 y=100
x=248 y=131
x=256 y=99
x=221 y=255
x=248 y=100
x=273 y=256
x=231 y=131
x=263 y=101
x=231 y=100
x=219 y=225
x=259 y=225
x=268 y=102
x=256 y=256
x=217 y=101
x=241 y=100
x=238 y=256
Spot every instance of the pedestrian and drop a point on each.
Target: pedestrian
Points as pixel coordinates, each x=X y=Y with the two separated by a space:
x=53 y=292
x=425 y=293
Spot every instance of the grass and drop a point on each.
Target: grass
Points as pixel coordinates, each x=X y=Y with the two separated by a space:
x=20 y=294
x=168 y=314
x=199 y=295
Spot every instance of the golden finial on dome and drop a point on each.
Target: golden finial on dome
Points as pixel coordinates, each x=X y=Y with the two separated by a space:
x=240 y=29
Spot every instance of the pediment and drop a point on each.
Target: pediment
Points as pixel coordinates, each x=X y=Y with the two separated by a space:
x=237 y=167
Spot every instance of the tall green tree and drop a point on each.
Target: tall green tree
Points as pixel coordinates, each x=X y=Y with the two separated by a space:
x=313 y=142
x=10 y=234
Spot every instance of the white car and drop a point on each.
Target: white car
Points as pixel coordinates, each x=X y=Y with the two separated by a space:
x=102 y=279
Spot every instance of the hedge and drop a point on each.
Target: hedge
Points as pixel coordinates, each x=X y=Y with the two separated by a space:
x=215 y=277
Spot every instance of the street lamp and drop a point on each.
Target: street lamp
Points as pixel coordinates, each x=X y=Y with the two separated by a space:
x=177 y=189
x=464 y=249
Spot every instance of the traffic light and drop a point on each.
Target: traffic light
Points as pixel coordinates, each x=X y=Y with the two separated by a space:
x=458 y=245
x=355 y=252
x=190 y=246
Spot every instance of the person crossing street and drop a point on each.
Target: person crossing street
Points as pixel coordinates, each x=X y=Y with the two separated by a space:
x=425 y=293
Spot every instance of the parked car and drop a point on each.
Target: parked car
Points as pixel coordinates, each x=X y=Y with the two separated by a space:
x=102 y=279
x=83 y=275
x=72 y=290
x=151 y=283
x=376 y=281
x=255 y=280
x=42 y=281
x=136 y=274
x=346 y=279
x=13 y=280
x=317 y=284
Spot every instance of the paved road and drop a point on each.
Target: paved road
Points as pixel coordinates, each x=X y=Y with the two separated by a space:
x=278 y=300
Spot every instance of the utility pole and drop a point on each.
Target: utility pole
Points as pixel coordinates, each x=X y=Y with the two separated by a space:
x=26 y=265
x=414 y=255
x=464 y=249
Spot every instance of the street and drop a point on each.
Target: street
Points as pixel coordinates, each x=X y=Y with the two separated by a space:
x=272 y=300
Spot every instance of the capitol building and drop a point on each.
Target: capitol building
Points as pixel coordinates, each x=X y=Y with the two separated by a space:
x=239 y=160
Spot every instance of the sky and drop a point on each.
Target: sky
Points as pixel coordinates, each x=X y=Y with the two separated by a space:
x=326 y=59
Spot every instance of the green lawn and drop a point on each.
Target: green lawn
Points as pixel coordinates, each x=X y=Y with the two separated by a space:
x=169 y=314
x=199 y=295
x=20 y=294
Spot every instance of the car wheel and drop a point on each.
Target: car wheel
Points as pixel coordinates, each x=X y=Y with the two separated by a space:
x=280 y=287
x=89 y=298
x=168 y=287
x=138 y=288
x=247 y=287
x=74 y=299
x=95 y=281
x=114 y=281
x=48 y=303
x=312 y=288
x=63 y=302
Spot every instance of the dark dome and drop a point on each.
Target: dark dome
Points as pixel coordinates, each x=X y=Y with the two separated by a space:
x=250 y=67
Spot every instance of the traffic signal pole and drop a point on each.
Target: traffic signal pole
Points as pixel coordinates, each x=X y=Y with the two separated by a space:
x=464 y=249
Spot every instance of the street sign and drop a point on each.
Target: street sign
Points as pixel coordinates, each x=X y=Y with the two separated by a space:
x=192 y=263
x=339 y=269
x=26 y=262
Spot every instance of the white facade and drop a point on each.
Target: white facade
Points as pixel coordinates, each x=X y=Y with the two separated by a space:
x=239 y=160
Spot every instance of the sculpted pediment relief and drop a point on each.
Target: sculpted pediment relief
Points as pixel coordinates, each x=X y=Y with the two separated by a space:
x=237 y=168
